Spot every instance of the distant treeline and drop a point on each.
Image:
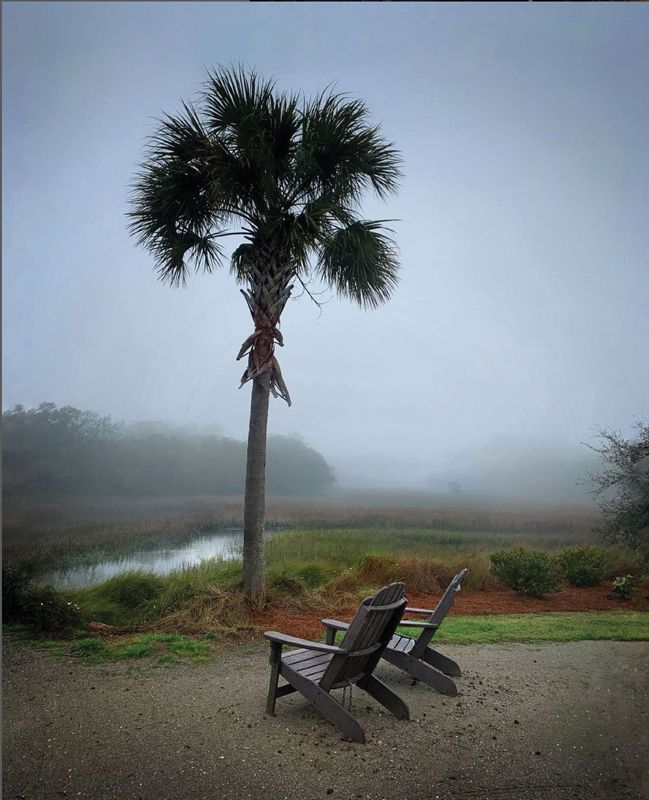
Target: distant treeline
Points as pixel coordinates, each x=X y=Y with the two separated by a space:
x=57 y=452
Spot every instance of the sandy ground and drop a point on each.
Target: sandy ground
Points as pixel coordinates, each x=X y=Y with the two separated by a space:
x=544 y=721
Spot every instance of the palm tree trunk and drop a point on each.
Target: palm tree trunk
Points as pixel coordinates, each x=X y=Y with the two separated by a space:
x=255 y=498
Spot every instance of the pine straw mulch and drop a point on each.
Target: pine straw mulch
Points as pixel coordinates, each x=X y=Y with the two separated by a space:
x=492 y=601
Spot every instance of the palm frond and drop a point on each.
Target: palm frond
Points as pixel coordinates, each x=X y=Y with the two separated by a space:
x=341 y=154
x=232 y=99
x=360 y=262
x=172 y=212
x=294 y=171
x=257 y=126
x=241 y=262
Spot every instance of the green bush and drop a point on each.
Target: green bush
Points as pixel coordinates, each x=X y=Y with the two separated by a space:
x=46 y=610
x=529 y=572
x=583 y=565
x=622 y=588
x=15 y=586
x=133 y=589
x=41 y=608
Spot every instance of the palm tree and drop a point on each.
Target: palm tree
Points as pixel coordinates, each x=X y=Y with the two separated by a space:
x=286 y=175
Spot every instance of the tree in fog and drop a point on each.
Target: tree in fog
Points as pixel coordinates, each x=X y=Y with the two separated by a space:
x=286 y=174
x=623 y=485
x=64 y=452
x=50 y=450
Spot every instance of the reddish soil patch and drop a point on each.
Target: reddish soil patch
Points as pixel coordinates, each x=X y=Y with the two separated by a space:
x=496 y=601
x=306 y=626
x=505 y=601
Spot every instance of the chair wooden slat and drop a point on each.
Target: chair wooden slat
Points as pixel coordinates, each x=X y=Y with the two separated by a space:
x=414 y=655
x=314 y=673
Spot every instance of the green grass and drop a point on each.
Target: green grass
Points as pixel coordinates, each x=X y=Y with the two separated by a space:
x=565 y=626
x=54 y=645
x=139 y=597
x=169 y=647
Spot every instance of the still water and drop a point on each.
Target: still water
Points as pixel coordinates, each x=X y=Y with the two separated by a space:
x=225 y=544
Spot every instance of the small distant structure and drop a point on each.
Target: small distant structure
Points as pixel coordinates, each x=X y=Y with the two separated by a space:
x=454 y=489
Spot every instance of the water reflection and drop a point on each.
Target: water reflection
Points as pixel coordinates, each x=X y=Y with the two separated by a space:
x=225 y=544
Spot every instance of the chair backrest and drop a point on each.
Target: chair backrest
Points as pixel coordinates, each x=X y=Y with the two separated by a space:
x=441 y=609
x=369 y=632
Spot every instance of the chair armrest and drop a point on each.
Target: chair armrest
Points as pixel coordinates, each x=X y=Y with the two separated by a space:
x=336 y=624
x=293 y=641
x=411 y=623
x=419 y=611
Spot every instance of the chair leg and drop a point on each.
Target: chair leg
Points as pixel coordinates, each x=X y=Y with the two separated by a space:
x=428 y=674
x=440 y=662
x=340 y=717
x=275 y=663
x=386 y=697
x=327 y=705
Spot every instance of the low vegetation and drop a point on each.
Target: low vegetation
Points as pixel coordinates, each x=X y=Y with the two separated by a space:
x=42 y=608
x=623 y=587
x=308 y=571
x=530 y=572
x=165 y=648
x=583 y=566
x=360 y=543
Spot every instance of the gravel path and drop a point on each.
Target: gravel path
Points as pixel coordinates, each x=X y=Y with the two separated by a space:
x=531 y=722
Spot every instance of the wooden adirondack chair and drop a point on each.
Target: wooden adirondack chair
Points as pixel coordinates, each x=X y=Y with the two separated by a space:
x=317 y=668
x=414 y=656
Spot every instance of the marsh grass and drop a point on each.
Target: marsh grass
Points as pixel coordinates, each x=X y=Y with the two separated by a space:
x=42 y=536
x=346 y=546
x=425 y=559
x=329 y=556
x=41 y=549
x=338 y=571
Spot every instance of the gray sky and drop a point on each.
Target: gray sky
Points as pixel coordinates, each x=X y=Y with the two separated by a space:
x=522 y=316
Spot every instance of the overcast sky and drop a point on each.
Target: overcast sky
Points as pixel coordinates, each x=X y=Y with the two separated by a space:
x=522 y=315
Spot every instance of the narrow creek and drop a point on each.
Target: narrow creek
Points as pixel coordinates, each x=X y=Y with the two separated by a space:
x=226 y=544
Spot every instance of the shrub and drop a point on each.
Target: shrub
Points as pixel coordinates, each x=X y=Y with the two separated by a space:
x=133 y=589
x=583 y=565
x=41 y=608
x=622 y=588
x=527 y=571
x=46 y=610
x=15 y=586
x=622 y=560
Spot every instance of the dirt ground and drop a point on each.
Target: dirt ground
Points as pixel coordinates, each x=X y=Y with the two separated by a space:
x=530 y=723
